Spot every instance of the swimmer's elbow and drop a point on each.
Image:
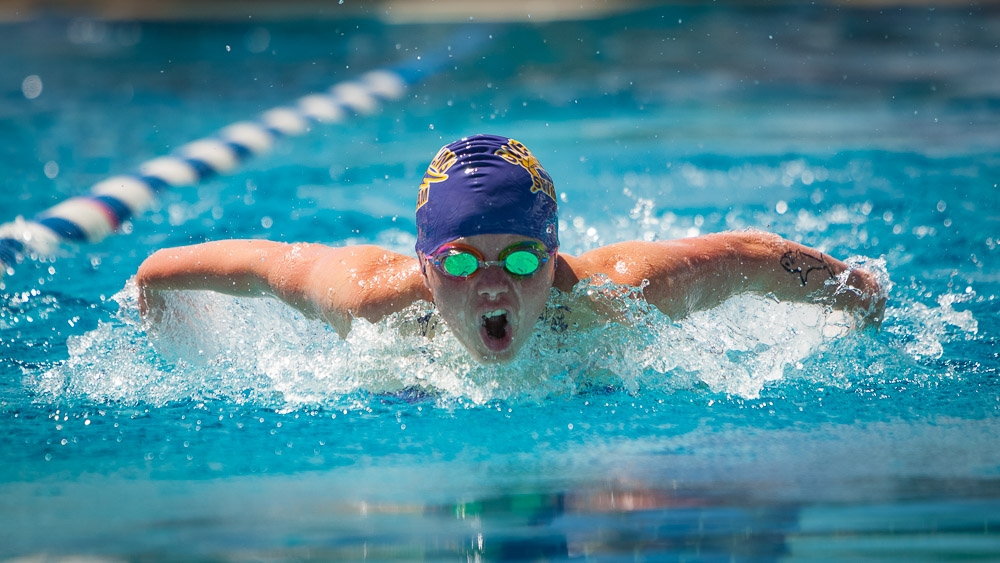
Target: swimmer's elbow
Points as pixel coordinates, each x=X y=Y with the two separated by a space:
x=153 y=271
x=339 y=322
x=866 y=297
x=674 y=302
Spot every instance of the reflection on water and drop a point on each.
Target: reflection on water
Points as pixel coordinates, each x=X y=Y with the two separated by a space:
x=304 y=518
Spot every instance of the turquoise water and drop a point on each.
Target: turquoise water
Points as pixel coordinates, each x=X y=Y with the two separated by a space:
x=755 y=431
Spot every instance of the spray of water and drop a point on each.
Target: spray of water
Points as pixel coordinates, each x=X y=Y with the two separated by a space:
x=211 y=346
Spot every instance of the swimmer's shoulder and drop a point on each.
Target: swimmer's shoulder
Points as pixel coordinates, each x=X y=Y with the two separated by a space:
x=597 y=286
x=631 y=263
x=365 y=281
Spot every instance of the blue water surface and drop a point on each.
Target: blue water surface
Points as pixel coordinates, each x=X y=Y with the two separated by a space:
x=754 y=431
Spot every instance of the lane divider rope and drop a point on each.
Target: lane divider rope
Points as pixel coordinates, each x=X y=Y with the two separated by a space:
x=92 y=217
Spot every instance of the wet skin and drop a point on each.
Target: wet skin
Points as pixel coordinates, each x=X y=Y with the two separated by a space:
x=491 y=313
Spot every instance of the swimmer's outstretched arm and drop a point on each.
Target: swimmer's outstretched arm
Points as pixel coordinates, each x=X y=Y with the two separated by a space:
x=332 y=283
x=691 y=274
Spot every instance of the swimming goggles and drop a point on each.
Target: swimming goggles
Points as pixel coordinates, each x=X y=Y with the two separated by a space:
x=520 y=260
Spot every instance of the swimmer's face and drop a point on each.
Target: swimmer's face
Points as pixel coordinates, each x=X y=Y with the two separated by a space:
x=492 y=313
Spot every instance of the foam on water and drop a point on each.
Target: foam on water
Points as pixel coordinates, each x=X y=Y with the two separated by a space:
x=211 y=346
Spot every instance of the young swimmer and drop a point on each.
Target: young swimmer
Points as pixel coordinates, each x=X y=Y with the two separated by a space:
x=488 y=254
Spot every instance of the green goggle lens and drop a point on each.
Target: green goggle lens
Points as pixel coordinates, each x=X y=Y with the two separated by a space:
x=522 y=263
x=460 y=264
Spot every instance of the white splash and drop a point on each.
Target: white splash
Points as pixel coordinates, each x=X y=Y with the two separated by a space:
x=923 y=330
x=211 y=346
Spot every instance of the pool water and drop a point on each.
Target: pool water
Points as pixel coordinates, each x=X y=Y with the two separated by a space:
x=755 y=431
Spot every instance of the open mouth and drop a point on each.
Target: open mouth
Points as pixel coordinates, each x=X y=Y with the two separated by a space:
x=495 y=330
x=495 y=323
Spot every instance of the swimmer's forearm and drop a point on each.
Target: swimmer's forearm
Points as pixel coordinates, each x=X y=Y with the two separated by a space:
x=692 y=274
x=335 y=284
x=229 y=267
x=771 y=265
x=235 y=267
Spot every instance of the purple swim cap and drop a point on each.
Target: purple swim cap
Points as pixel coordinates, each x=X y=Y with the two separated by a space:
x=485 y=185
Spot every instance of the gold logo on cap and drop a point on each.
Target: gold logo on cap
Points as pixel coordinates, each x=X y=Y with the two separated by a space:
x=515 y=152
x=436 y=172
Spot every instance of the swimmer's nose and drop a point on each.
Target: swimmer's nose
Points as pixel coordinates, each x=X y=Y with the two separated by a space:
x=492 y=283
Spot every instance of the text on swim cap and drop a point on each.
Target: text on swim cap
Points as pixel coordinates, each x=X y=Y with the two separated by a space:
x=515 y=152
x=436 y=172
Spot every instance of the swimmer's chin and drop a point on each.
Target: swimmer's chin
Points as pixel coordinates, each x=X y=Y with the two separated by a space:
x=497 y=358
x=484 y=352
x=495 y=352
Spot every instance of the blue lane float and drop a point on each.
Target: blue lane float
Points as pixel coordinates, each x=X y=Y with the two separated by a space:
x=92 y=217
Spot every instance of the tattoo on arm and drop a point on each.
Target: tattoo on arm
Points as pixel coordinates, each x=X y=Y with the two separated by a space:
x=804 y=263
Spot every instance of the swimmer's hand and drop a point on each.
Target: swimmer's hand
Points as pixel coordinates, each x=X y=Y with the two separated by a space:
x=858 y=290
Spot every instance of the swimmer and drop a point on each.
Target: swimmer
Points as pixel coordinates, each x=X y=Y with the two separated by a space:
x=487 y=256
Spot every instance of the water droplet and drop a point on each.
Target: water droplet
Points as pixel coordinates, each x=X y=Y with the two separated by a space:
x=31 y=87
